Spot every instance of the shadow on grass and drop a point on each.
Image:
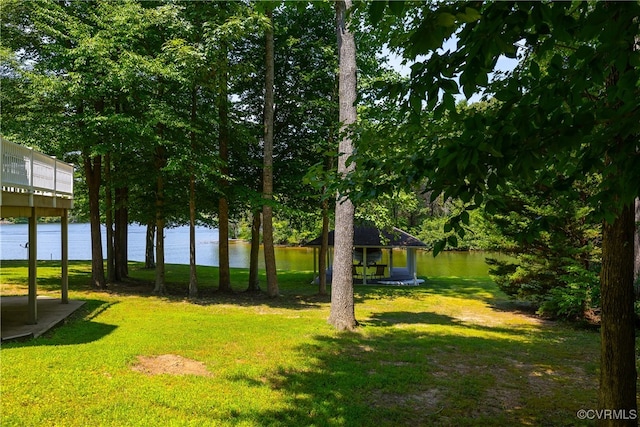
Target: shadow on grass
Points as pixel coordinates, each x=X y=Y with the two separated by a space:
x=429 y=319
x=295 y=291
x=79 y=328
x=388 y=319
x=475 y=288
x=394 y=377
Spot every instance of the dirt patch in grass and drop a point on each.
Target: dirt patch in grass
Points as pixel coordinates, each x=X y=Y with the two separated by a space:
x=171 y=364
x=422 y=401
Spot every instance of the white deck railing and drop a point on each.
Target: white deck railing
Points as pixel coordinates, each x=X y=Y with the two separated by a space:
x=25 y=170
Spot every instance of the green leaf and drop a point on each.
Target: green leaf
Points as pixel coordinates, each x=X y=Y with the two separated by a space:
x=439 y=247
x=488 y=148
x=416 y=102
x=396 y=7
x=449 y=86
x=469 y=15
x=490 y=207
x=535 y=70
x=452 y=241
x=469 y=89
x=462 y=232
x=376 y=11
x=445 y=19
x=464 y=217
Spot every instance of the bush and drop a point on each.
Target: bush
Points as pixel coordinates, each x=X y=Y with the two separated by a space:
x=560 y=287
x=557 y=249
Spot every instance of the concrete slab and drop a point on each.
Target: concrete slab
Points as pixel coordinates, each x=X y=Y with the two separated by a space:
x=51 y=312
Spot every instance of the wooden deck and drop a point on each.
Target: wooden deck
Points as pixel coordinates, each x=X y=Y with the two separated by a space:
x=30 y=179
x=51 y=312
x=35 y=185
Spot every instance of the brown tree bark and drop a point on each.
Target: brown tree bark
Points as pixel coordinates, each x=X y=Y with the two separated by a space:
x=618 y=372
x=193 y=275
x=224 y=272
x=267 y=176
x=160 y=163
x=254 y=282
x=324 y=247
x=342 y=315
x=108 y=213
x=121 y=246
x=149 y=258
x=618 y=363
x=636 y=245
x=92 y=169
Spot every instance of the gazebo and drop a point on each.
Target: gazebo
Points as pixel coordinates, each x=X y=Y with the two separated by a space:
x=35 y=185
x=369 y=245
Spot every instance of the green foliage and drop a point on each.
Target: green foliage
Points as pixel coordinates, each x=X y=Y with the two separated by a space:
x=479 y=234
x=563 y=105
x=556 y=253
x=567 y=111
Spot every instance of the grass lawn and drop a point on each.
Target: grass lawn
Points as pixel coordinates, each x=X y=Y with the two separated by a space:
x=453 y=352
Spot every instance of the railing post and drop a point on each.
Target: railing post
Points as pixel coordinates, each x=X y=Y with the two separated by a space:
x=31 y=190
x=55 y=181
x=1 y=167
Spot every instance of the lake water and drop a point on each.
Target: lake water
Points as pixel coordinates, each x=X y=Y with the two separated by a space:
x=14 y=236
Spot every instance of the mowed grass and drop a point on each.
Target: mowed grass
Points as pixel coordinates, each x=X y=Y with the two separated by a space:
x=453 y=352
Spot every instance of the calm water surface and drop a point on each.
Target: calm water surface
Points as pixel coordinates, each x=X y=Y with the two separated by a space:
x=13 y=238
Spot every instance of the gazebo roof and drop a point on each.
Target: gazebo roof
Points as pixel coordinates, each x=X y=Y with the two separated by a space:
x=372 y=237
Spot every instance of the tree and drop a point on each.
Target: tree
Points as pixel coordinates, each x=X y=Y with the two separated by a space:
x=636 y=274
x=92 y=170
x=67 y=47
x=342 y=315
x=556 y=263
x=267 y=180
x=571 y=102
x=224 y=275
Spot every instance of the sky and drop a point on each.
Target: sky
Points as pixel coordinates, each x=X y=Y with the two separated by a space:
x=395 y=61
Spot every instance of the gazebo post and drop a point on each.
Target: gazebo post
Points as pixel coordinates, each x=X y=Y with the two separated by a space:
x=364 y=268
x=64 y=258
x=411 y=261
x=314 y=264
x=32 y=313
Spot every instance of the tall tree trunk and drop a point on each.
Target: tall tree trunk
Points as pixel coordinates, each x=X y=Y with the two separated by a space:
x=636 y=268
x=193 y=275
x=160 y=163
x=617 y=357
x=224 y=272
x=92 y=169
x=149 y=257
x=121 y=233
x=618 y=372
x=267 y=174
x=108 y=201
x=324 y=247
x=254 y=281
x=342 y=315
x=121 y=220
